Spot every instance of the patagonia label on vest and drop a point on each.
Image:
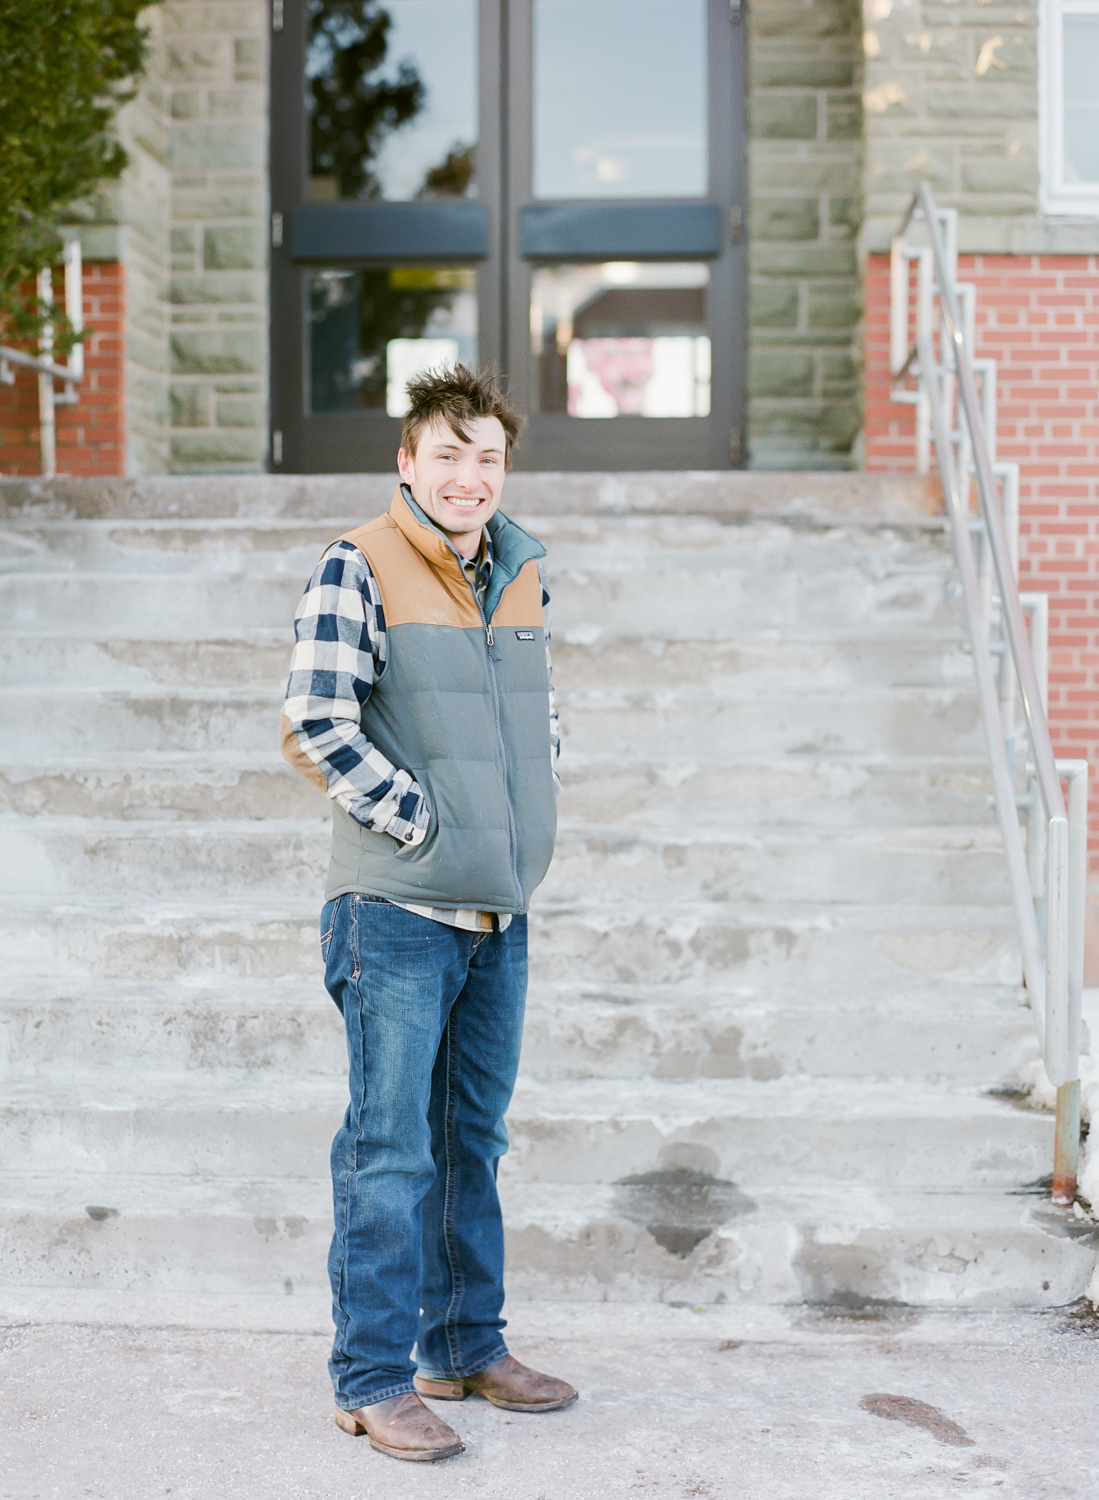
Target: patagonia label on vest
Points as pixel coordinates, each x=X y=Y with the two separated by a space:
x=524 y=635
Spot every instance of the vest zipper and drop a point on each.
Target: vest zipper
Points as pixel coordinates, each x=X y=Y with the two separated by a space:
x=490 y=643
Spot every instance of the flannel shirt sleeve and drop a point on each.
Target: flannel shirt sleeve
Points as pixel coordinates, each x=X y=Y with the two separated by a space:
x=554 y=717
x=339 y=650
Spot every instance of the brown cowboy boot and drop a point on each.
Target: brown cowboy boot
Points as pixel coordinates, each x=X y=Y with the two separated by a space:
x=505 y=1383
x=403 y=1427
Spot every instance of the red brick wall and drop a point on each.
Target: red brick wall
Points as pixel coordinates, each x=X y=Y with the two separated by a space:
x=1038 y=316
x=91 y=436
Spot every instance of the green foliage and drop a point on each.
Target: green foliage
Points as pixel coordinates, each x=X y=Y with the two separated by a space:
x=452 y=177
x=66 y=67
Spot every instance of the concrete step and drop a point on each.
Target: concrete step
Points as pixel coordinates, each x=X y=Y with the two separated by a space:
x=281 y=1028
x=945 y=1031
x=760 y=663
x=708 y=945
x=223 y=546
x=67 y=857
x=750 y=666
x=807 y=791
x=674 y=1236
x=874 y=865
x=940 y=1031
x=806 y=499
x=164 y=787
x=693 y=727
x=156 y=942
x=803 y=792
x=797 y=1131
x=149 y=605
x=109 y=663
x=680 y=1238
x=758 y=943
x=583 y=544
x=629 y=727
x=706 y=602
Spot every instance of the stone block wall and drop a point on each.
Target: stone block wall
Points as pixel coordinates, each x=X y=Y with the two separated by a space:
x=805 y=209
x=216 y=73
x=134 y=214
x=951 y=96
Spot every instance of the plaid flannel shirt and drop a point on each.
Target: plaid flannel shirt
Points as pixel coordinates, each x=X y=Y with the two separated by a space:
x=340 y=648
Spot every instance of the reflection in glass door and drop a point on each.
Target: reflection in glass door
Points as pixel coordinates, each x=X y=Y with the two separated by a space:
x=625 y=167
x=379 y=232
x=619 y=99
x=391 y=99
x=595 y=261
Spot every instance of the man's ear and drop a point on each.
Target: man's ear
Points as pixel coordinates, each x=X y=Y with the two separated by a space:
x=405 y=466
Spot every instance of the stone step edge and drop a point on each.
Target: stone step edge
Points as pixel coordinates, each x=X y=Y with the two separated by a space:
x=806 y=916
x=832 y=1099
x=583 y=762
x=580 y=1314
x=803 y=496
x=620 y=996
x=948 y=837
x=171 y=1197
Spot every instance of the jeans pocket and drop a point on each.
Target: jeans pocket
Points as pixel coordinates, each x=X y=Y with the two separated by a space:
x=328 y=925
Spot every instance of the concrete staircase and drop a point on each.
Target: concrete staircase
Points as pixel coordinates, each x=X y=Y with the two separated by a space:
x=774 y=974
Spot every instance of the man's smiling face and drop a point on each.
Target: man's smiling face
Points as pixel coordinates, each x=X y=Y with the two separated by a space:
x=456 y=481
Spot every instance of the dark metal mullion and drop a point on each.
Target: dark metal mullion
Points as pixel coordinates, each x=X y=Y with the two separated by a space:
x=286 y=291
x=518 y=103
x=490 y=180
x=728 y=273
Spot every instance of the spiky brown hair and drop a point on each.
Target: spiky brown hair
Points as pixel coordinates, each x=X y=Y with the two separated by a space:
x=457 y=396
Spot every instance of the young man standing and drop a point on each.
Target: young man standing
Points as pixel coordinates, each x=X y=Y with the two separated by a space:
x=420 y=701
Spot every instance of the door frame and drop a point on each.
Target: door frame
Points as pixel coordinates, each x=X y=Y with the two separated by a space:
x=489 y=232
x=556 y=441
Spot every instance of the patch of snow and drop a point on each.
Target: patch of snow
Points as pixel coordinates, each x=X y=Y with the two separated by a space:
x=1033 y=1081
x=1092 y=1293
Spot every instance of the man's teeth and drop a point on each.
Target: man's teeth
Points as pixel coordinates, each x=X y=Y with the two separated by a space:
x=464 y=504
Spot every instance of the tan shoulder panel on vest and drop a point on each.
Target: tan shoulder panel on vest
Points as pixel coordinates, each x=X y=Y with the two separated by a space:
x=295 y=756
x=521 y=602
x=413 y=592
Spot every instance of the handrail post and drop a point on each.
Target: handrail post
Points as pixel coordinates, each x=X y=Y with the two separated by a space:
x=1066 y=1147
x=47 y=430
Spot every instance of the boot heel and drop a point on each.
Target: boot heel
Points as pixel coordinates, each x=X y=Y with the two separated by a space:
x=349 y=1423
x=440 y=1390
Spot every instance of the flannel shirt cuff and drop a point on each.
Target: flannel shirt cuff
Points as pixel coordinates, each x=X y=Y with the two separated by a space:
x=402 y=813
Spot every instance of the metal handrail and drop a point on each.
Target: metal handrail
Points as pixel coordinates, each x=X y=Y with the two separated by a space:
x=1048 y=874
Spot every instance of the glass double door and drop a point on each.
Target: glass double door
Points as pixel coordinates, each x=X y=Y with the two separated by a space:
x=553 y=187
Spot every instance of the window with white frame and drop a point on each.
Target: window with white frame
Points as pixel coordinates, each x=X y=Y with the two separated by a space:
x=1070 y=106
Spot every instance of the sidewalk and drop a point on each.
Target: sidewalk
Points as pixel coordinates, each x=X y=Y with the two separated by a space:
x=755 y=1404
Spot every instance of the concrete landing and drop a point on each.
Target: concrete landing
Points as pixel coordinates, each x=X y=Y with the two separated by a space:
x=762 y=1404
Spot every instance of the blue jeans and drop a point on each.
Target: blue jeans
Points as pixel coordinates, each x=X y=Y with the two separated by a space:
x=434 y=1017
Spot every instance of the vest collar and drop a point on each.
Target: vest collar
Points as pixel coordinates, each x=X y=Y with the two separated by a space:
x=512 y=547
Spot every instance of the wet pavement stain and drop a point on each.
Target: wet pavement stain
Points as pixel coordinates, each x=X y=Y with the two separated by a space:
x=680 y=1206
x=852 y=1307
x=915 y=1413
